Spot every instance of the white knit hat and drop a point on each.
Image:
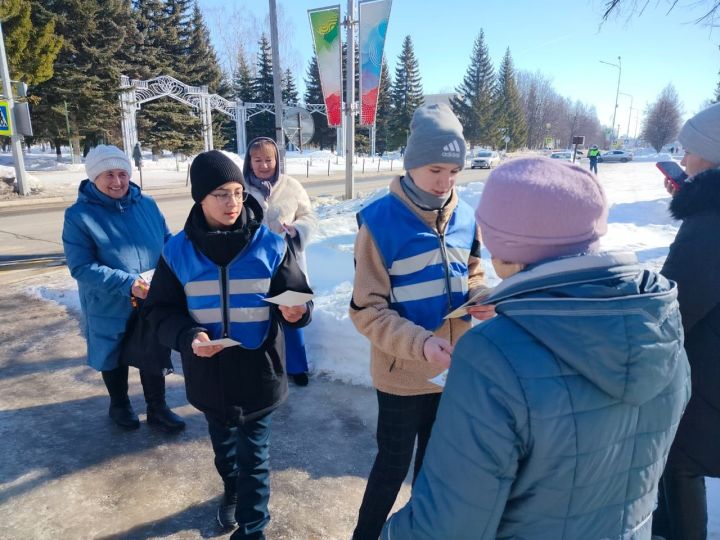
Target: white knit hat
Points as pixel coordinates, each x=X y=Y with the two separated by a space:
x=106 y=157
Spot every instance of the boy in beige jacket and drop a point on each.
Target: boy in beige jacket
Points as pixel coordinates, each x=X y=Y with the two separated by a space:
x=417 y=257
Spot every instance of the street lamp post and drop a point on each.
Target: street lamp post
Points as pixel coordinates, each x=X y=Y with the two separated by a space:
x=627 y=131
x=617 y=93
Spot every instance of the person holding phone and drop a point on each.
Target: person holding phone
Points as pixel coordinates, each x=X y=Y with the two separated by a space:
x=211 y=283
x=693 y=262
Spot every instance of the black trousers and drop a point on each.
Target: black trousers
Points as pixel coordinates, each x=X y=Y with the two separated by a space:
x=681 y=513
x=116 y=382
x=401 y=420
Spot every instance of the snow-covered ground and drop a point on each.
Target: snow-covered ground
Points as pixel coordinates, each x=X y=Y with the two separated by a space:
x=638 y=221
x=50 y=177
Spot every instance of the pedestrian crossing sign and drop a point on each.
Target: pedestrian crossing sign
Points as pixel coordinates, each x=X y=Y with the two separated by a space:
x=5 y=124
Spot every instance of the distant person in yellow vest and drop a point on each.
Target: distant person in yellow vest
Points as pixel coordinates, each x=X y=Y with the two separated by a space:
x=593 y=154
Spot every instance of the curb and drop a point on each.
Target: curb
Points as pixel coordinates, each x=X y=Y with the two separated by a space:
x=59 y=200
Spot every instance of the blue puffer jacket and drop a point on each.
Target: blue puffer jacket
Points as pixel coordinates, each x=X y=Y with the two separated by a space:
x=108 y=243
x=558 y=414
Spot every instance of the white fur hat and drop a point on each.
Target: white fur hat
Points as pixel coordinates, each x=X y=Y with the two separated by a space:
x=106 y=157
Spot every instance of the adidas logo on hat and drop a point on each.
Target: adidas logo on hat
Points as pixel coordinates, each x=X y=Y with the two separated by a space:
x=451 y=150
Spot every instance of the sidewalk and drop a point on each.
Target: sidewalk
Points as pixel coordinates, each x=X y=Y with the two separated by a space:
x=67 y=472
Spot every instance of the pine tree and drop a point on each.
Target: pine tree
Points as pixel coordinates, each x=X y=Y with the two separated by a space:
x=30 y=40
x=474 y=108
x=509 y=114
x=717 y=92
x=384 y=111
x=289 y=90
x=263 y=124
x=407 y=94
x=324 y=135
x=662 y=123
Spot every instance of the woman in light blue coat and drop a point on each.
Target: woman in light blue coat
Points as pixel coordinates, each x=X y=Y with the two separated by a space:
x=111 y=235
x=558 y=414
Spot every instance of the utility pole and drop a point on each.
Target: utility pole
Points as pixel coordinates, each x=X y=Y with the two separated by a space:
x=617 y=94
x=67 y=125
x=15 y=144
x=277 y=92
x=627 y=132
x=350 y=102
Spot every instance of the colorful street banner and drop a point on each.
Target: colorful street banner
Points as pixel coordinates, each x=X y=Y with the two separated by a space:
x=5 y=123
x=325 y=25
x=374 y=15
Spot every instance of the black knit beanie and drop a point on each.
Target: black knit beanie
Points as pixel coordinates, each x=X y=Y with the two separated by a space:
x=210 y=170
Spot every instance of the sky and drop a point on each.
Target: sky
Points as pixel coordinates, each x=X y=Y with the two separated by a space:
x=563 y=40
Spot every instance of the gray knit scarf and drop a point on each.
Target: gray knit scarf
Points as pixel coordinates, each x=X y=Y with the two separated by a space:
x=423 y=199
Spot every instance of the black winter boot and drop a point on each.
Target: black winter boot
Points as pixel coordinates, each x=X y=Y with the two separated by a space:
x=226 y=510
x=158 y=413
x=121 y=411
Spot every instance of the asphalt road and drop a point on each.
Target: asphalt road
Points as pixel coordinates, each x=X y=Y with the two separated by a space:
x=36 y=230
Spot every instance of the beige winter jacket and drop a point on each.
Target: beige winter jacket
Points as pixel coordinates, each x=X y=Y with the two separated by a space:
x=288 y=203
x=397 y=362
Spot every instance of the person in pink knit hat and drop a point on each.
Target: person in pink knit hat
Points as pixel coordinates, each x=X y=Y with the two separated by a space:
x=558 y=413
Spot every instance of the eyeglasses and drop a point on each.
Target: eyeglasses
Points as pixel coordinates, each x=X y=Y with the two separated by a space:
x=227 y=196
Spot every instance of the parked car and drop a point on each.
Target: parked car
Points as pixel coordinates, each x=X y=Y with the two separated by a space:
x=485 y=159
x=622 y=156
x=564 y=155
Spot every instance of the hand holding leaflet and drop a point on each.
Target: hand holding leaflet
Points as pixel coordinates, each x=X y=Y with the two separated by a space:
x=225 y=342
x=290 y=298
x=462 y=310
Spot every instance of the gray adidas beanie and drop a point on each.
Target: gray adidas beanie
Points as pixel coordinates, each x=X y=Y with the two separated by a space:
x=436 y=136
x=106 y=157
x=701 y=134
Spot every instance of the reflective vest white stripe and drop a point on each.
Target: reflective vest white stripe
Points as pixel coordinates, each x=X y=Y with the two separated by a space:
x=428 y=289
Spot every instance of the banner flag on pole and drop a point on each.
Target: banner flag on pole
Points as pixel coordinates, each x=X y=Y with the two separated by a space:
x=325 y=25
x=374 y=15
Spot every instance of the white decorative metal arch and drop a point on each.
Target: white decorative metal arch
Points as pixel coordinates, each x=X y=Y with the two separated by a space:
x=134 y=92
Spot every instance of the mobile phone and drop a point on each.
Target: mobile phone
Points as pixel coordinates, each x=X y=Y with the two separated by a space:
x=673 y=172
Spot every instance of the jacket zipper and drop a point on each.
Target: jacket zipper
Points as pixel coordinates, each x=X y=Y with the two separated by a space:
x=446 y=265
x=224 y=303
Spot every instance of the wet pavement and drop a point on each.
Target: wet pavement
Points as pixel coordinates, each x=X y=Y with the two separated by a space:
x=67 y=472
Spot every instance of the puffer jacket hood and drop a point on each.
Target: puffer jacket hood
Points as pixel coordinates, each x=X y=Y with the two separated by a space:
x=598 y=313
x=89 y=193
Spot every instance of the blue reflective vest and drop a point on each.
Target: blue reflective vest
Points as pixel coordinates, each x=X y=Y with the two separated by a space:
x=229 y=301
x=428 y=271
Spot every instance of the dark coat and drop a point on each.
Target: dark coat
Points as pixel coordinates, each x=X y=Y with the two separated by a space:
x=236 y=385
x=694 y=263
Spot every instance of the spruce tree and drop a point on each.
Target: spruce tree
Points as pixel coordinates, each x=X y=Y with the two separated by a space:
x=203 y=69
x=384 y=110
x=30 y=40
x=509 y=114
x=407 y=94
x=474 y=106
x=243 y=82
x=164 y=124
x=324 y=136
x=86 y=72
x=263 y=124
x=716 y=99
x=289 y=90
